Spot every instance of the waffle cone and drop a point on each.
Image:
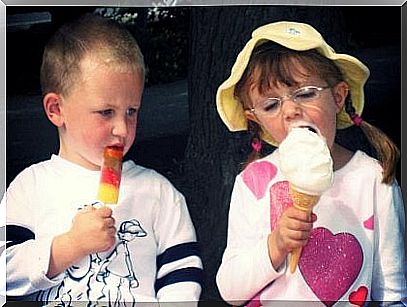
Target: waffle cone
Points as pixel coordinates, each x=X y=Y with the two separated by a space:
x=304 y=202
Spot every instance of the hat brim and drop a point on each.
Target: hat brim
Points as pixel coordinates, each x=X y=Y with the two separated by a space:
x=295 y=36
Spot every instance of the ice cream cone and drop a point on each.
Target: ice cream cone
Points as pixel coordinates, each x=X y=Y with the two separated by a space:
x=304 y=202
x=306 y=163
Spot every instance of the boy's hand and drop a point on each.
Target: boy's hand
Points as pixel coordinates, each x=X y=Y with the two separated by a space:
x=292 y=231
x=93 y=230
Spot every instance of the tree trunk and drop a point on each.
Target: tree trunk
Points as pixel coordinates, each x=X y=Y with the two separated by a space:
x=214 y=155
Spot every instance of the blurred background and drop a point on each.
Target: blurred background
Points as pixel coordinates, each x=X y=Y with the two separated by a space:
x=189 y=52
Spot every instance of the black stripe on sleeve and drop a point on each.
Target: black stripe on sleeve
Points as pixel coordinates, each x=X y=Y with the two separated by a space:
x=177 y=252
x=17 y=235
x=185 y=274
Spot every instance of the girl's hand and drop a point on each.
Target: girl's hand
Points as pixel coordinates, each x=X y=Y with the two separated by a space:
x=292 y=231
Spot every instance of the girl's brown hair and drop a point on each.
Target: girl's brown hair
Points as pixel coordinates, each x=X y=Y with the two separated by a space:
x=270 y=59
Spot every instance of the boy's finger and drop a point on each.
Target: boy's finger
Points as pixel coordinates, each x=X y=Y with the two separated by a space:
x=110 y=222
x=86 y=208
x=104 y=211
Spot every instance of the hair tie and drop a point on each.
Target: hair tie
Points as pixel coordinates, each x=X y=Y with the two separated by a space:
x=356 y=119
x=256 y=145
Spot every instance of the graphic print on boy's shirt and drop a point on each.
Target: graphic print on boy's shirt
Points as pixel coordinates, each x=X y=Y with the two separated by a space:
x=114 y=275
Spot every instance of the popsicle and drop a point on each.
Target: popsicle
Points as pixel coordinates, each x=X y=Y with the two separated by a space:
x=110 y=175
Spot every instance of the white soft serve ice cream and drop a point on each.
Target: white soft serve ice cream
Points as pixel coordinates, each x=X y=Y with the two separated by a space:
x=306 y=161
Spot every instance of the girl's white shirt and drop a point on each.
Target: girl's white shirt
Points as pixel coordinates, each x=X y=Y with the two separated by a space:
x=358 y=207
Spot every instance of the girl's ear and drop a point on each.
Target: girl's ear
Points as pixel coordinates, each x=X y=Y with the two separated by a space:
x=52 y=107
x=341 y=91
x=250 y=116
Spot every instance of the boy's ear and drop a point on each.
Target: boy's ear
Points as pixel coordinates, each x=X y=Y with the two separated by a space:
x=52 y=107
x=341 y=91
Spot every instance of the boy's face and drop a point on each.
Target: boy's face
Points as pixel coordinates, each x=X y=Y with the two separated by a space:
x=100 y=110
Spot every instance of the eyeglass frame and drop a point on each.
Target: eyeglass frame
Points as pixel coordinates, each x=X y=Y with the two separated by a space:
x=281 y=99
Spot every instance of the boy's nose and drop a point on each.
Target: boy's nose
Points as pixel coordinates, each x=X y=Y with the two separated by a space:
x=290 y=109
x=120 y=128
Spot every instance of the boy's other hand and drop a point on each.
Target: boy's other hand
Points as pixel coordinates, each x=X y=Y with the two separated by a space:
x=93 y=230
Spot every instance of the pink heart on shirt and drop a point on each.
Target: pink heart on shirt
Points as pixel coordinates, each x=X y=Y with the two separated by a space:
x=279 y=201
x=330 y=263
x=257 y=176
x=369 y=223
x=358 y=297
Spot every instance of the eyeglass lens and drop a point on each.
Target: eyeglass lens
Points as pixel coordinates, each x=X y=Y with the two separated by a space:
x=301 y=95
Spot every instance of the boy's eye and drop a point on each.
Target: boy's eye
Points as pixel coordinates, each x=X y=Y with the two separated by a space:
x=106 y=113
x=131 y=111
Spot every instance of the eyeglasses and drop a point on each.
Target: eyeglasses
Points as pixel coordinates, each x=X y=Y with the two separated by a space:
x=272 y=106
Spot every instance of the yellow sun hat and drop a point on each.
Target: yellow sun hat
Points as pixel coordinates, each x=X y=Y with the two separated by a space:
x=295 y=36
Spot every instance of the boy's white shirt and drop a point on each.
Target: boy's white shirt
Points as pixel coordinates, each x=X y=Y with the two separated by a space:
x=45 y=197
x=357 y=194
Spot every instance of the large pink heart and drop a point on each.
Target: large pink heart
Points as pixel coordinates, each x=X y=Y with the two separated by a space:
x=330 y=263
x=257 y=176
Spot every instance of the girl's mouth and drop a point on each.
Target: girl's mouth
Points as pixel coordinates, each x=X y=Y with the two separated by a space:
x=312 y=129
x=306 y=125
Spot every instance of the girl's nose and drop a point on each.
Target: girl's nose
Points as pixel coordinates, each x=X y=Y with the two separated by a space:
x=290 y=109
x=120 y=127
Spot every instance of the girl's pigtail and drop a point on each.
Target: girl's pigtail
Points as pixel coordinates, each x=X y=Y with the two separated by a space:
x=256 y=142
x=387 y=152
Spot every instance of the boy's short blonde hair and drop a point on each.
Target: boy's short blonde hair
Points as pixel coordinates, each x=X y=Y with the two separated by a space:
x=60 y=68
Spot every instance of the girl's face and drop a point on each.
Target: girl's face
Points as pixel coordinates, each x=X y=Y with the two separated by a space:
x=100 y=110
x=319 y=112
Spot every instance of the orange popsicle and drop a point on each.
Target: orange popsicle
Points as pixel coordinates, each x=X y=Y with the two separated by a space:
x=110 y=176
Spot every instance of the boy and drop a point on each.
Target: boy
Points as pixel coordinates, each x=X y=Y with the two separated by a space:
x=61 y=247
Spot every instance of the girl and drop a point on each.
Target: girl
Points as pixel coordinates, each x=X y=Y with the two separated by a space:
x=352 y=245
